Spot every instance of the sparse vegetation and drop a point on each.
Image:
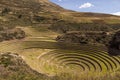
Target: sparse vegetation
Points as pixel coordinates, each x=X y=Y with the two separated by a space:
x=64 y=27
x=12 y=34
x=13 y=67
x=92 y=37
x=40 y=57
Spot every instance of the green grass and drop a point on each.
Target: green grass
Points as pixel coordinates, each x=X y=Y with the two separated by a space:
x=43 y=54
x=98 y=59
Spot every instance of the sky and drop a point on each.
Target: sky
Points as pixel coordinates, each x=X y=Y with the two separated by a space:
x=98 y=6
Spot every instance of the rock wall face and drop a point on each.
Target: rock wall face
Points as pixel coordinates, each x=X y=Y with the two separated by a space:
x=85 y=38
x=114 y=45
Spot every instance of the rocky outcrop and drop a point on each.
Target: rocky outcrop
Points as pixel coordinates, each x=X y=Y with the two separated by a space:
x=12 y=67
x=11 y=34
x=114 y=44
x=85 y=38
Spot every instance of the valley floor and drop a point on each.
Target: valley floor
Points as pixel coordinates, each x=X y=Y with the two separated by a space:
x=43 y=54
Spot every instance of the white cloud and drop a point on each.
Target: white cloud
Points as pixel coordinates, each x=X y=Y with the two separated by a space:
x=117 y=13
x=86 y=5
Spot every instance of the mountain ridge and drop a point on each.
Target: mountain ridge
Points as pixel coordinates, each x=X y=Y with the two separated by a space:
x=33 y=4
x=43 y=4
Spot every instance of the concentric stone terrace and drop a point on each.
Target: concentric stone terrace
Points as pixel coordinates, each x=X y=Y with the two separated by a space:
x=90 y=60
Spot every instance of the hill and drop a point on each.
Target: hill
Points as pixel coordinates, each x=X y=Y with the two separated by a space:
x=39 y=5
x=39 y=12
x=37 y=31
x=31 y=8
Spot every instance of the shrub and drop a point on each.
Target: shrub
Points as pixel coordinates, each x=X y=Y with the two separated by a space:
x=5 y=11
x=19 y=34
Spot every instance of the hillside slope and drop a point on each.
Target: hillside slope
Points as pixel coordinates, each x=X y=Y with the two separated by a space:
x=33 y=5
x=42 y=21
x=12 y=67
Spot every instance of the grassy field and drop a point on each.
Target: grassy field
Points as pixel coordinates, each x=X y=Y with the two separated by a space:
x=43 y=54
x=60 y=61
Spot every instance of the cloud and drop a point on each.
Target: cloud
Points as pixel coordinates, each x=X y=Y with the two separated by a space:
x=86 y=5
x=117 y=13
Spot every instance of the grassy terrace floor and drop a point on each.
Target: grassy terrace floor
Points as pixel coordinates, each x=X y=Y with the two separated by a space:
x=45 y=55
